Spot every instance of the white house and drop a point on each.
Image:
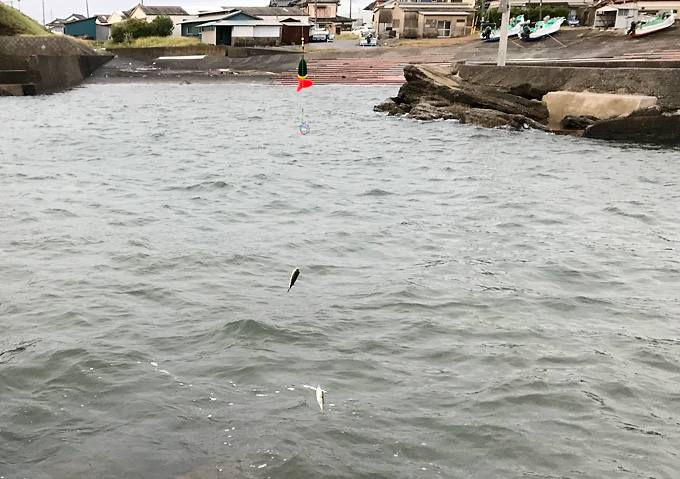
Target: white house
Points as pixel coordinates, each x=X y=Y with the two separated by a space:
x=57 y=25
x=242 y=27
x=149 y=12
x=119 y=16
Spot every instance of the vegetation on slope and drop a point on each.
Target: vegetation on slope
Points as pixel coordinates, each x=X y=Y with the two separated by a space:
x=13 y=22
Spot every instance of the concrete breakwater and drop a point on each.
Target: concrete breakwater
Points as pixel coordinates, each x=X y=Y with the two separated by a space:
x=146 y=53
x=41 y=65
x=608 y=102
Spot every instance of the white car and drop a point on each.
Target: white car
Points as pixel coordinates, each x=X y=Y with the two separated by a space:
x=321 y=35
x=363 y=29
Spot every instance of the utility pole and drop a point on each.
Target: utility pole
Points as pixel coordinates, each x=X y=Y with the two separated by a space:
x=504 y=8
x=87 y=9
x=43 y=5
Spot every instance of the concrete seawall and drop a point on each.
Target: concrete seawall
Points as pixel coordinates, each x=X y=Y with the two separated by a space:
x=147 y=53
x=538 y=80
x=42 y=65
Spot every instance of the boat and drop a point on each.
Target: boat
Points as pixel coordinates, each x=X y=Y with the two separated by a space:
x=662 y=20
x=542 y=29
x=516 y=24
x=368 y=39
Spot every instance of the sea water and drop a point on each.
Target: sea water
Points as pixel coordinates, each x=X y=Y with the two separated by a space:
x=476 y=303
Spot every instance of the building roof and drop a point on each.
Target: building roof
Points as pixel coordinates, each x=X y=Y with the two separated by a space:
x=255 y=12
x=82 y=19
x=204 y=18
x=102 y=18
x=56 y=22
x=450 y=12
x=374 y=4
x=304 y=3
x=270 y=11
x=443 y=8
x=158 y=10
x=74 y=17
x=126 y=13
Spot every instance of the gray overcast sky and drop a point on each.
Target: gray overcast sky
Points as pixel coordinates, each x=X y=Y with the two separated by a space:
x=63 y=8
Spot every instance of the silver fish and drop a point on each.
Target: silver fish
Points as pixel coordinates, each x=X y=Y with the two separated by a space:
x=320 y=398
x=293 y=277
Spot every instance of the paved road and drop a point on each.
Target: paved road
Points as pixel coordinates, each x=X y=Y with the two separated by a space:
x=338 y=45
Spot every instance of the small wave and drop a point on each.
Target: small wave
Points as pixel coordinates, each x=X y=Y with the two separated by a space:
x=638 y=216
x=252 y=329
x=377 y=192
x=60 y=212
x=205 y=186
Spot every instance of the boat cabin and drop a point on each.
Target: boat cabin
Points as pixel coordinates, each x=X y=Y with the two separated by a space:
x=616 y=15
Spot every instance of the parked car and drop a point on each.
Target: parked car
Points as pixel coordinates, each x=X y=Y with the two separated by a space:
x=320 y=35
x=362 y=30
x=572 y=21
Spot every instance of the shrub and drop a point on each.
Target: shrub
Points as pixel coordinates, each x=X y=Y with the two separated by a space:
x=129 y=30
x=162 y=26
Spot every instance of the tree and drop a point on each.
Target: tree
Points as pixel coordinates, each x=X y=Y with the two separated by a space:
x=162 y=26
x=130 y=30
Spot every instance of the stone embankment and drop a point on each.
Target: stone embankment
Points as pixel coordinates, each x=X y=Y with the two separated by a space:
x=630 y=104
x=40 y=65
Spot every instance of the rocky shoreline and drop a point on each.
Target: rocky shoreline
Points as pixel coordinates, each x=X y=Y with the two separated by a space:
x=435 y=92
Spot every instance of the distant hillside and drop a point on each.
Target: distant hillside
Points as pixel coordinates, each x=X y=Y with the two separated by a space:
x=13 y=22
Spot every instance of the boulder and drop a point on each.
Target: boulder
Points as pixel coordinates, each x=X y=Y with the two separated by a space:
x=432 y=93
x=423 y=81
x=528 y=91
x=571 y=122
x=390 y=106
x=495 y=119
x=654 y=127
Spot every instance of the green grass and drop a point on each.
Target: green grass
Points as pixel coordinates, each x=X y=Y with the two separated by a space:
x=166 y=42
x=346 y=36
x=13 y=22
x=145 y=43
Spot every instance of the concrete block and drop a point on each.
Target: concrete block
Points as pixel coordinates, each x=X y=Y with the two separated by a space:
x=11 y=90
x=600 y=105
x=17 y=77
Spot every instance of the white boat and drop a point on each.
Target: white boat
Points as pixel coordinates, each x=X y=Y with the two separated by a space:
x=542 y=29
x=516 y=24
x=662 y=20
x=368 y=39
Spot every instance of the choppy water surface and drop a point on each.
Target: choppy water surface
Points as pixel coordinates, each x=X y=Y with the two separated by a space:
x=476 y=303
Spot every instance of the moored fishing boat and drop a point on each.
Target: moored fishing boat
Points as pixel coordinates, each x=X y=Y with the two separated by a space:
x=516 y=24
x=662 y=21
x=542 y=29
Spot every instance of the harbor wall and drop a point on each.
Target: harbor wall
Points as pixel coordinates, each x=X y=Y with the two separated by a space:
x=537 y=80
x=49 y=64
x=148 y=53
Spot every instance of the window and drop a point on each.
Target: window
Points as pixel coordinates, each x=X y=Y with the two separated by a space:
x=443 y=28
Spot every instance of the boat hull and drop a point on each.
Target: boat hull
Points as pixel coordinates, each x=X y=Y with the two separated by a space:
x=645 y=29
x=512 y=32
x=544 y=31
